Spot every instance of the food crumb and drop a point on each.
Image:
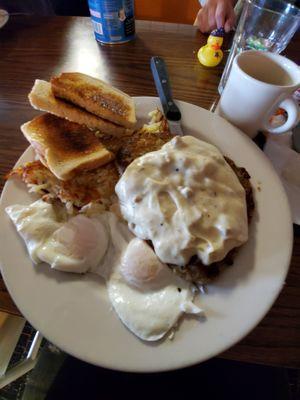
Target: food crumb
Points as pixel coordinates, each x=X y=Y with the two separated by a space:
x=171 y=335
x=138 y=199
x=259 y=188
x=202 y=289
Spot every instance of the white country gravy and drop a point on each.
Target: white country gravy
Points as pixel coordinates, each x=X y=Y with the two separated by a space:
x=187 y=200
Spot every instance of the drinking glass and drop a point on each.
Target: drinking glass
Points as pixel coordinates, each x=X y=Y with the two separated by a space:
x=266 y=25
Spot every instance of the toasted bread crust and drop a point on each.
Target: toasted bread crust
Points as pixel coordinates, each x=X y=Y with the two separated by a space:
x=42 y=98
x=65 y=147
x=95 y=96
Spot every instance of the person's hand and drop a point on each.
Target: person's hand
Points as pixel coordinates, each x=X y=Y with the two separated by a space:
x=216 y=14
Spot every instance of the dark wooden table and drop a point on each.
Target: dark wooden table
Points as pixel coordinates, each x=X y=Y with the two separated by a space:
x=32 y=47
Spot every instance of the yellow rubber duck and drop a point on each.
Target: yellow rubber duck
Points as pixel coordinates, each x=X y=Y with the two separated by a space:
x=211 y=54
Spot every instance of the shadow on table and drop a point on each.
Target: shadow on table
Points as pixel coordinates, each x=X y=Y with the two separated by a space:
x=218 y=379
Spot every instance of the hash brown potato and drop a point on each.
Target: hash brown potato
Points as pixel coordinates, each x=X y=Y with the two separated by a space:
x=141 y=143
x=97 y=185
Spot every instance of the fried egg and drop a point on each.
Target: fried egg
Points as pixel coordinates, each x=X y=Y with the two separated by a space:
x=77 y=245
x=146 y=295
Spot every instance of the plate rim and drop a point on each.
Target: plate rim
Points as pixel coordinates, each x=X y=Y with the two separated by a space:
x=5 y=18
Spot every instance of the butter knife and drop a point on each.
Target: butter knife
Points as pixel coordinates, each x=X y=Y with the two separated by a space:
x=163 y=87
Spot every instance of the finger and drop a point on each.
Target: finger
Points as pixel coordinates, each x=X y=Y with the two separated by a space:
x=202 y=23
x=211 y=22
x=220 y=15
x=230 y=21
x=206 y=17
x=229 y=24
x=196 y=22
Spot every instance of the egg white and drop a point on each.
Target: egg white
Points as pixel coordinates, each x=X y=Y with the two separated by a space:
x=76 y=245
x=146 y=295
x=153 y=307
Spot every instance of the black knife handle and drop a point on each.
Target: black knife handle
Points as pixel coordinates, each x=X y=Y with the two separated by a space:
x=162 y=83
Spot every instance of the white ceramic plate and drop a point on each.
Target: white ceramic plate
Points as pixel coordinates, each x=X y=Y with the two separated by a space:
x=4 y=16
x=74 y=313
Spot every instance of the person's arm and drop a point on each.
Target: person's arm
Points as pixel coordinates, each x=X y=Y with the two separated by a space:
x=216 y=14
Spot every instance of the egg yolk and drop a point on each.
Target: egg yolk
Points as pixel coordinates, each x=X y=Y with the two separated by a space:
x=139 y=264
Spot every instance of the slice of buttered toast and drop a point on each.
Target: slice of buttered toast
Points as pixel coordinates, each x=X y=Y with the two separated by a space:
x=96 y=97
x=65 y=147
x=42 y=98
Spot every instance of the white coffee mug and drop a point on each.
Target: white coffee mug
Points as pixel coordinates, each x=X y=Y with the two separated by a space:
x=259 y=83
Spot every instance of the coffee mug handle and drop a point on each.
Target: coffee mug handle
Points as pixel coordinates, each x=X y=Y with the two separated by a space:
x=292 y=108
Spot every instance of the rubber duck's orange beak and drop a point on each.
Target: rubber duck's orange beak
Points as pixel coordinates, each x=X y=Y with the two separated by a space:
x=216 y=46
